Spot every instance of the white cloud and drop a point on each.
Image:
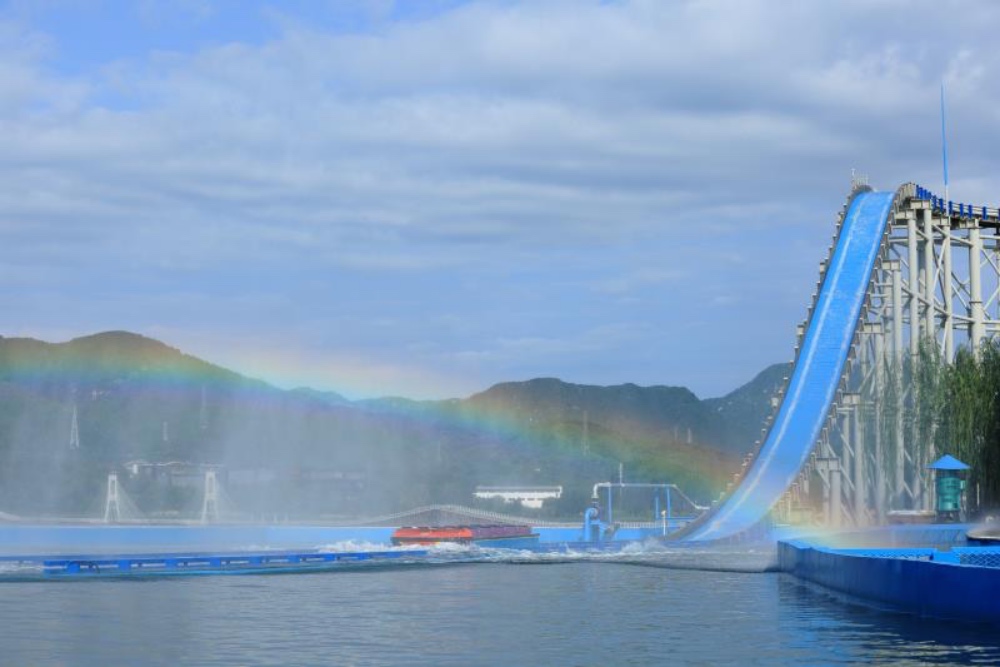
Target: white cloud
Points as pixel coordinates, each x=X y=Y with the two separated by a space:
x=526 y=148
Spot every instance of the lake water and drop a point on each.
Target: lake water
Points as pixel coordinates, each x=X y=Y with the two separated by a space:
x=586 y=612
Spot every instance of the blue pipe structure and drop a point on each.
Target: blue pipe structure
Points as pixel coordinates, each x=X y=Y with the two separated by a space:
x=815 y=378
x=591 y=525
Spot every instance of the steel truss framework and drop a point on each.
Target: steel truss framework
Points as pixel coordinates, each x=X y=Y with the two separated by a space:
x=935 y=288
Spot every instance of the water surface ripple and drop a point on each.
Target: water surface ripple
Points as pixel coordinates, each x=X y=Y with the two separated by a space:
x=497 y=613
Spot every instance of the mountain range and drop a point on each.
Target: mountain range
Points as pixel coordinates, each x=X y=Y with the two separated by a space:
x=72 y=412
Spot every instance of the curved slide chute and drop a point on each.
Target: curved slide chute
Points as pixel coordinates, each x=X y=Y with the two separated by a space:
x=815 y=378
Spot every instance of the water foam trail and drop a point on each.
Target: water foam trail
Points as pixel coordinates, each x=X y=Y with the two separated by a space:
x=714 y=560
x=749 y=558
x=352 y=546
x=752 y=558
x=16 y=568
x=744 y=558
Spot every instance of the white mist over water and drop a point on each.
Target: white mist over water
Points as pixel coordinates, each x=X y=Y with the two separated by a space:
x=649 y=554
x=754 y=558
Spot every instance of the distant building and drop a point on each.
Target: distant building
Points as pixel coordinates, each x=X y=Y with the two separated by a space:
x=529 y=496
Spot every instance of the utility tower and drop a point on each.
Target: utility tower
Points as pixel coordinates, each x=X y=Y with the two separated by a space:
x=74 y=430
x=210 y=506
x=112 y=501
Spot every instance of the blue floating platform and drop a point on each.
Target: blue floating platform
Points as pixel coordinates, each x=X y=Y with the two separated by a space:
x=191 y=564
x=941 y=578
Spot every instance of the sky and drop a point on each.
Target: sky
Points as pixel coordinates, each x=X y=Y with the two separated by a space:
x=425 y=198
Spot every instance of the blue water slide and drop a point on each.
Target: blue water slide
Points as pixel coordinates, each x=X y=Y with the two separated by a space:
x=815 y=378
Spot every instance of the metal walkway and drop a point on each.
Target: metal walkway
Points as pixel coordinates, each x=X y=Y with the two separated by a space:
x=816 y=375
x=195 y=564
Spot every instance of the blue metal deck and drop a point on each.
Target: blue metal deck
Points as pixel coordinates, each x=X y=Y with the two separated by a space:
x=953 y=582
x=201 y=563
x=816 y=375
x=39 y=566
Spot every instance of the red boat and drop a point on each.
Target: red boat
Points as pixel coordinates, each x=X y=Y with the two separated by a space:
x=514 y=537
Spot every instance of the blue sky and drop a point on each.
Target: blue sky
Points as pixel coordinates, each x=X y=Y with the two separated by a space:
x=426 y=198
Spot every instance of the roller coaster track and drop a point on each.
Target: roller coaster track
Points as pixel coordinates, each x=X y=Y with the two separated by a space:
x=819 y=367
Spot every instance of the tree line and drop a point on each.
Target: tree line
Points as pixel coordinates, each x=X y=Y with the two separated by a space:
x=948 y=408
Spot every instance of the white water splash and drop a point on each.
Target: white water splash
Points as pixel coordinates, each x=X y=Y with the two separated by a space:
x=355 y=546
x=748 y=558
x=16 y=568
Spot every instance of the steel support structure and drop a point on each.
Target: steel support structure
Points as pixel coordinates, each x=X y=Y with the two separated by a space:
x=935 y=289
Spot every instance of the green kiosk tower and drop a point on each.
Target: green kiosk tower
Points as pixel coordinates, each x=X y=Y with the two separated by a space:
x=949 y=486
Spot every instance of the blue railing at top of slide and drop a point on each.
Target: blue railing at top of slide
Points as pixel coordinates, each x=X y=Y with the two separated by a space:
x=957 y=208
x=816 y=375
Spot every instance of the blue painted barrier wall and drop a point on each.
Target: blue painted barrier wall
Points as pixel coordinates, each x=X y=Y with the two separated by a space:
x=943 y=535
x=18 y=539
x=918 y=583
x=34 y=538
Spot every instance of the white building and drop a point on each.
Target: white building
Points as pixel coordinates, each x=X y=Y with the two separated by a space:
x=529 y=496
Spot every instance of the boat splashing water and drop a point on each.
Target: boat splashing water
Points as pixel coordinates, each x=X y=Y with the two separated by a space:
x=498 y=535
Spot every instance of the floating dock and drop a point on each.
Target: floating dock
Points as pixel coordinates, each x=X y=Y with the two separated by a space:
x=83 y=566
x=271 y=562
x=924 y=570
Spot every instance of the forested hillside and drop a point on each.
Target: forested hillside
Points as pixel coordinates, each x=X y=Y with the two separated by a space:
x=306 y=453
